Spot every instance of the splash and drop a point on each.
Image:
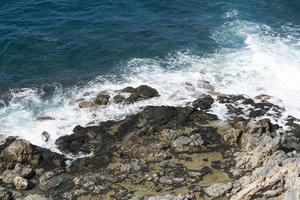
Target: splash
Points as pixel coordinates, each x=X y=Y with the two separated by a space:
x=253 y=59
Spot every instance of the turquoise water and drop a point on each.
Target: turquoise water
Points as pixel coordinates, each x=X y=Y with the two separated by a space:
x=67 y=42
x=54 y=52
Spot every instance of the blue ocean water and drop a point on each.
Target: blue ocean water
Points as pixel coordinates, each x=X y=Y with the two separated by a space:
x=53 y=52
x=63 y=41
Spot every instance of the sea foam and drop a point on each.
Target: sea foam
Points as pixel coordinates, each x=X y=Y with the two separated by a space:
x=253 y=59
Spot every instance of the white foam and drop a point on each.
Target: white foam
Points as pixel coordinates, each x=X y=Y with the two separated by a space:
x=262 y=63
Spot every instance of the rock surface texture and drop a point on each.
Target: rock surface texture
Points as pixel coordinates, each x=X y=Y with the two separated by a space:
x=163 y=153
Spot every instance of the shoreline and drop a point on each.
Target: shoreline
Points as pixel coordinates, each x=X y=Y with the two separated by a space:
x=162 y=153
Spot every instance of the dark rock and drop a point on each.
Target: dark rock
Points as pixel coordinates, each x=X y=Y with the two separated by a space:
x=52 y=179
x=142 y=92
x=128 y=90
x=45 y=118
x=102 y=98
x=204 y=102
x=118 y=98
x=45 y=136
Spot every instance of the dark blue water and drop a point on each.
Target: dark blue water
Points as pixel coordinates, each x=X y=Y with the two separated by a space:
x=67 y=42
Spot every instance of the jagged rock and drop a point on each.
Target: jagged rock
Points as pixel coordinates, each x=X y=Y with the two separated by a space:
x=204 y=102
x=21 y=183
x=218 y=190
x=102 y=98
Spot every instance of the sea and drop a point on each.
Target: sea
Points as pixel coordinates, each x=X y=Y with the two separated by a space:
x=54 y=52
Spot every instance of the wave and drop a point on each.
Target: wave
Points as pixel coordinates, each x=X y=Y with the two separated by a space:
x=253 y=59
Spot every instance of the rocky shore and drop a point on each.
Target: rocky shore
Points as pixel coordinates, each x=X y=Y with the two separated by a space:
x=162 y=153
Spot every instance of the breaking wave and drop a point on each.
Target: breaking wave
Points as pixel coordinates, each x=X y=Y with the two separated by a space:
x=252 y=59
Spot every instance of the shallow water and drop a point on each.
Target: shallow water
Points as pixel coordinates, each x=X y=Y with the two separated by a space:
x=55 y=51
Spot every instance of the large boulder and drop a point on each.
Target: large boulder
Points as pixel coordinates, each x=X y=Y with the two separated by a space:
x=15 y=151
x=21 y=183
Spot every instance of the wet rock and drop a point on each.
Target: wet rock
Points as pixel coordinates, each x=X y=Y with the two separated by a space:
x=142 y=92
x=102 y=98
x=218 y=190
x=204 y=102
x=118 y=98
x=128 y=90
x=21 y=183
x=45 y=136
x=87 y=104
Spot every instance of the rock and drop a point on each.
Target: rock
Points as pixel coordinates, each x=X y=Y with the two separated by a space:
x=188 y=196
x=21 y=183
x=23 y=171
x=204 y=102
x=35 y=197
x=182 y=141
x=87 y=104
x=118 y=98
x=8 y=176
x=19 y=170
x=45 y=136
x=4 y=194
x=45 y=118
x=50 y=180
x=218 y=190
x=142 y=92
x=128 y=90
x=102 y=98
x=22 y=151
